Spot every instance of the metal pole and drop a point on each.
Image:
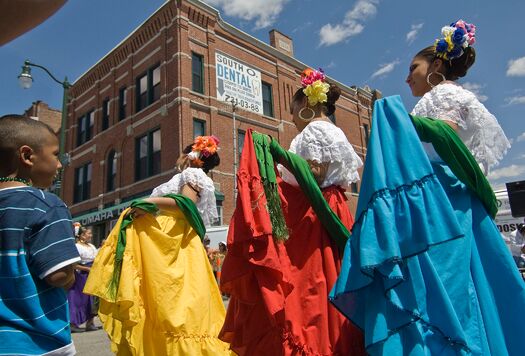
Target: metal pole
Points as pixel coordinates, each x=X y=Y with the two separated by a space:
x=235 y=158
x=26 y=74
x=62 y=142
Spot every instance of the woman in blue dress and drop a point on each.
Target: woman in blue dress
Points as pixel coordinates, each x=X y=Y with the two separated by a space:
x=426 y=271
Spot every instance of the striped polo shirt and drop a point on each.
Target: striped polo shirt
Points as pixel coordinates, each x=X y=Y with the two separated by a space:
x=36 y=239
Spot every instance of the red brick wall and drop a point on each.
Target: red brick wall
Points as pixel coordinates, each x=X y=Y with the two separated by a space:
x=44 y=113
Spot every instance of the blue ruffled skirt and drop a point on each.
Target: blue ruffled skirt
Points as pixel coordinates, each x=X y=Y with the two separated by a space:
x=426 y=271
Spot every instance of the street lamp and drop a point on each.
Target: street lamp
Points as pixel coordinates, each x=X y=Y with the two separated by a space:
x=26 y=80
x=235 y=158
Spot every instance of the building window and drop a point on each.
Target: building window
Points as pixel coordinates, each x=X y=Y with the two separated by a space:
x=197 y=73
x=199 y=128
x=111 y=172
x=82 y=183
x=147 y=155
x=105 y=114
x=367 y=133
x=353 y=188
x=122 y=102
x=240 y=141
x=85 y=128
x=142 y=92
x=155 y=84
x=148 y=88
x=219 y=220
x=267 y=99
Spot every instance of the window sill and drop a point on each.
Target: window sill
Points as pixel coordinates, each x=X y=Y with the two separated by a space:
x=196 y=93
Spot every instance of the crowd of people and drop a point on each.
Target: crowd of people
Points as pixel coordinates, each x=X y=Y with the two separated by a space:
x=420 y=269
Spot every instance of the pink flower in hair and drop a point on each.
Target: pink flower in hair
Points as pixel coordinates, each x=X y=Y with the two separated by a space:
x=310 y=76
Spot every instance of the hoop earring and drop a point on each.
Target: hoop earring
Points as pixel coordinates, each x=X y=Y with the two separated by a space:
x=307 y=117
x=436 y=73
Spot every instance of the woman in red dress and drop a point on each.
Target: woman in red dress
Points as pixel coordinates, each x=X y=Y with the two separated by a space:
x=279 y=285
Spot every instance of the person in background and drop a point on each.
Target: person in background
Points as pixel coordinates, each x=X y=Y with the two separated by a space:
x=81 y=305
x=516 y=244
x=37 y=243
x=218 y=259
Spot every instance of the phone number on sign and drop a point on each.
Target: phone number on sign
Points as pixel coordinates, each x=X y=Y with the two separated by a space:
x=242 y=103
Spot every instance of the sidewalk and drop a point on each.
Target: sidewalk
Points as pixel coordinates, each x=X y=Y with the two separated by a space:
x=92 y=342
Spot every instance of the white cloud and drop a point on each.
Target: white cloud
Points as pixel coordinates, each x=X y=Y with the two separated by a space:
x=515 y=100
x=302 y=27
x=264 y=11
x=414 y=30
x=513 y=170
x=476 y=89
x=330 y=65
x=516 y=67
x=385 y=69
x=352 y=24
x=521 y=138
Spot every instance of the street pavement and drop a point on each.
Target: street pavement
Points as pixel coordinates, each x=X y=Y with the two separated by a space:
x=92 y=342
x=97 y=342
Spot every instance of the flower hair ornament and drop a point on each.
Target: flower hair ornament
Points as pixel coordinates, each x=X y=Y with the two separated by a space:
x=203 y=146
x=456 y=37
x=315 y=88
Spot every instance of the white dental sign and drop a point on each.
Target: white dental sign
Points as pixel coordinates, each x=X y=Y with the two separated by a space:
x=238 y=82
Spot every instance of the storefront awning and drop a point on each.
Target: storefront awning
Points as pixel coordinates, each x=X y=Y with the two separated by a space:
x=99 y=216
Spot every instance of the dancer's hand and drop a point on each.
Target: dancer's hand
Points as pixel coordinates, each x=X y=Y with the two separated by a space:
x=137 y=212
x=319 y=170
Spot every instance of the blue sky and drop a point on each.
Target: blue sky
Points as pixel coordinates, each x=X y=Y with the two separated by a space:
x=364 y=42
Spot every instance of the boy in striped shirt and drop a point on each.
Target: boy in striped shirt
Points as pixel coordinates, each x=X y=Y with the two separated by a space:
x=37 y=245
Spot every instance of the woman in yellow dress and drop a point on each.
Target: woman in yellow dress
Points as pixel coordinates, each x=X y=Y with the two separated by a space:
x=158 y=295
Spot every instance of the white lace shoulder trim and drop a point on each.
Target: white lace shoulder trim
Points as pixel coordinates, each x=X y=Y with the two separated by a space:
x=322 y=141
x=478 y=128
x=443 y=102
x=197 y=179
x=206 y=203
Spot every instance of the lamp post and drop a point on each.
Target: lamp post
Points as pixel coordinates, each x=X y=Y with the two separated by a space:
x=26 y=81
x=235 y=158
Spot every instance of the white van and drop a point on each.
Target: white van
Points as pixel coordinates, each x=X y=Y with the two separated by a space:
x=504 y=220
x=217 y=234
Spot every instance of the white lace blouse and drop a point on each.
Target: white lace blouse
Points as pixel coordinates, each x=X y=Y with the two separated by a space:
x=206 y=203
x=87 y=252
x=321 y=142
x=478 y=128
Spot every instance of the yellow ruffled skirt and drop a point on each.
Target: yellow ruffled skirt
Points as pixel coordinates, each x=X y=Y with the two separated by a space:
x=168 y=302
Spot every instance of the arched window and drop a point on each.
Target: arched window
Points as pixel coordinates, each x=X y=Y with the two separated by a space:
x=111 y=171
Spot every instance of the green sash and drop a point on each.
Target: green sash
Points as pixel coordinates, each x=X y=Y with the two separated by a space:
x=457 y=156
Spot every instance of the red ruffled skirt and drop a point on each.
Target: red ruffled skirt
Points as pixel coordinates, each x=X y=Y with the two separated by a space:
x=279 y=291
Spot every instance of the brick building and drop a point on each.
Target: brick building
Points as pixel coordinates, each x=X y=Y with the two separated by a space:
x=132 y=113
x=42 y=112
